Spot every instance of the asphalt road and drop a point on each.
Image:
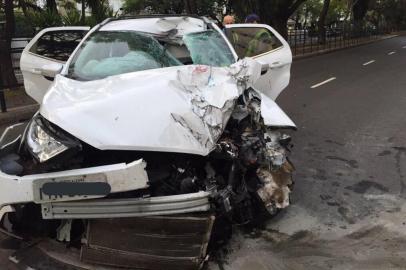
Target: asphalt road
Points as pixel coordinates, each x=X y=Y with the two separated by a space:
x=348 y=207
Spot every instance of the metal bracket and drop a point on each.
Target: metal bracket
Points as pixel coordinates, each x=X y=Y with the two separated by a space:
x=63 y=231
x=118 y=208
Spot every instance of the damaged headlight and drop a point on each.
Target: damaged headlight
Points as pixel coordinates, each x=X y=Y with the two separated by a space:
x=46 y=141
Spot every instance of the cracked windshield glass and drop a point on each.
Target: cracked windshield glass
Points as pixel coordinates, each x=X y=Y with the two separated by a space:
x=108 y=53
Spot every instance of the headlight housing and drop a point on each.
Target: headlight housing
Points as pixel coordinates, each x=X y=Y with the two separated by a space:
x=46 y=141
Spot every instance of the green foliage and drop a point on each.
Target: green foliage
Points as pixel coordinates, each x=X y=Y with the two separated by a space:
x=337 y=11
x=72 y=17
x=154 y=6
x=45 y=18
x=273 y=12
x=23 y=26
x=199 y=7
x=310 y=11
x=38 y=18
x=100 y=9
x=133 y=6
x=390 y=13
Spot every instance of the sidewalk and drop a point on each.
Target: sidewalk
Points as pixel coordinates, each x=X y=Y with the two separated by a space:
x=318 y=49
x=20 y=107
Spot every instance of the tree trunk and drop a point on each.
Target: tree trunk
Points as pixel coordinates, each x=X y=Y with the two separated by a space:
x=322 y=22
x=51 y=6
x=23 y=6
x=359 y=10
x=83 y=18
x=95 y=6
x=191 y=7
x=7 y=76
x=273 y=12
x=306 y=17
x=281 y=25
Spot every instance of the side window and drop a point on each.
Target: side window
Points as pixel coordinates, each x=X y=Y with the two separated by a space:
x=252 y=41
x=58 y=45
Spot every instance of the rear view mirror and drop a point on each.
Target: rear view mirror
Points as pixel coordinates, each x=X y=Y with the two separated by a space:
x=51 y=70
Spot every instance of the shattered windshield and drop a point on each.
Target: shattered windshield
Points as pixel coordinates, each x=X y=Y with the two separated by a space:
x=109 y=53
x=209 y=48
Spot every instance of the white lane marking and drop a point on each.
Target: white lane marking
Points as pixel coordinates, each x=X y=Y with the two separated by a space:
x=368 y=63
x=391 y=53
x=323 y=83
x=404 y=47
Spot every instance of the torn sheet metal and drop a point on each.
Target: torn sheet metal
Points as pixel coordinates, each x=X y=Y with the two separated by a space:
x=273 y=115
x=5 y=209
x=276 y=186
x=176 y=109
x=10 y=135
x=176 y=26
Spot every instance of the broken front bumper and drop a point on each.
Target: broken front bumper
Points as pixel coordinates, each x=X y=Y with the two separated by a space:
x=72 y=185
x=74 y=193
x=74 y=199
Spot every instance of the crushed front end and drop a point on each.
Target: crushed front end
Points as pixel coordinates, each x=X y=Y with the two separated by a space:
x=55 y=185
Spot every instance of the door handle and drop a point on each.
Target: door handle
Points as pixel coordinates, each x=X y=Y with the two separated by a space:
x=264 y=69
x=277 y=65
x=36 y=71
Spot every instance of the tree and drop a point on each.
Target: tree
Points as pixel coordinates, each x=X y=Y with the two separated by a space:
x=190 y=6
x=309 y=12
x=391 y=13
x=100 y=9
x=27 y=5
x=273 y=12
x=322 y=22
x=7 y=77
x=51 y=6
x=359 y=9
x=83 y=15
x=199 y=7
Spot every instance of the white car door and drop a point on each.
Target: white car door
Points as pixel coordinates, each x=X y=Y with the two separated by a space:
x=50 y=46
x=263 y=43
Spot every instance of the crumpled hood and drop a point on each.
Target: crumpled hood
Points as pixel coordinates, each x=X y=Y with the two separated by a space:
x=177 y=109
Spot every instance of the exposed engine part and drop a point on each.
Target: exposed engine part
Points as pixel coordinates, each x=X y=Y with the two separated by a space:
x=276 y=187
x=166 y=242
x=64 y=230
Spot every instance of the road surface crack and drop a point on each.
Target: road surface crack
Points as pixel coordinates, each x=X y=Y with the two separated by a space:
x=400 y=151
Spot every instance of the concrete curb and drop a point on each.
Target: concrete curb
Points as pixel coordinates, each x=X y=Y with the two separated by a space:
x=18 y=114
x=299 y=57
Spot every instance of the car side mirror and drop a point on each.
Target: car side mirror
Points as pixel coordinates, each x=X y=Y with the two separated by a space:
x=51 y=70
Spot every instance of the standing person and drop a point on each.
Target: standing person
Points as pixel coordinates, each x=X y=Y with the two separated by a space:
x=229 y=19
x=261 y=39
x=252 y=18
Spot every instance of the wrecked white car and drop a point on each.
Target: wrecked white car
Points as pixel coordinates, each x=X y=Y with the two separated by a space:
x=150 y=119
